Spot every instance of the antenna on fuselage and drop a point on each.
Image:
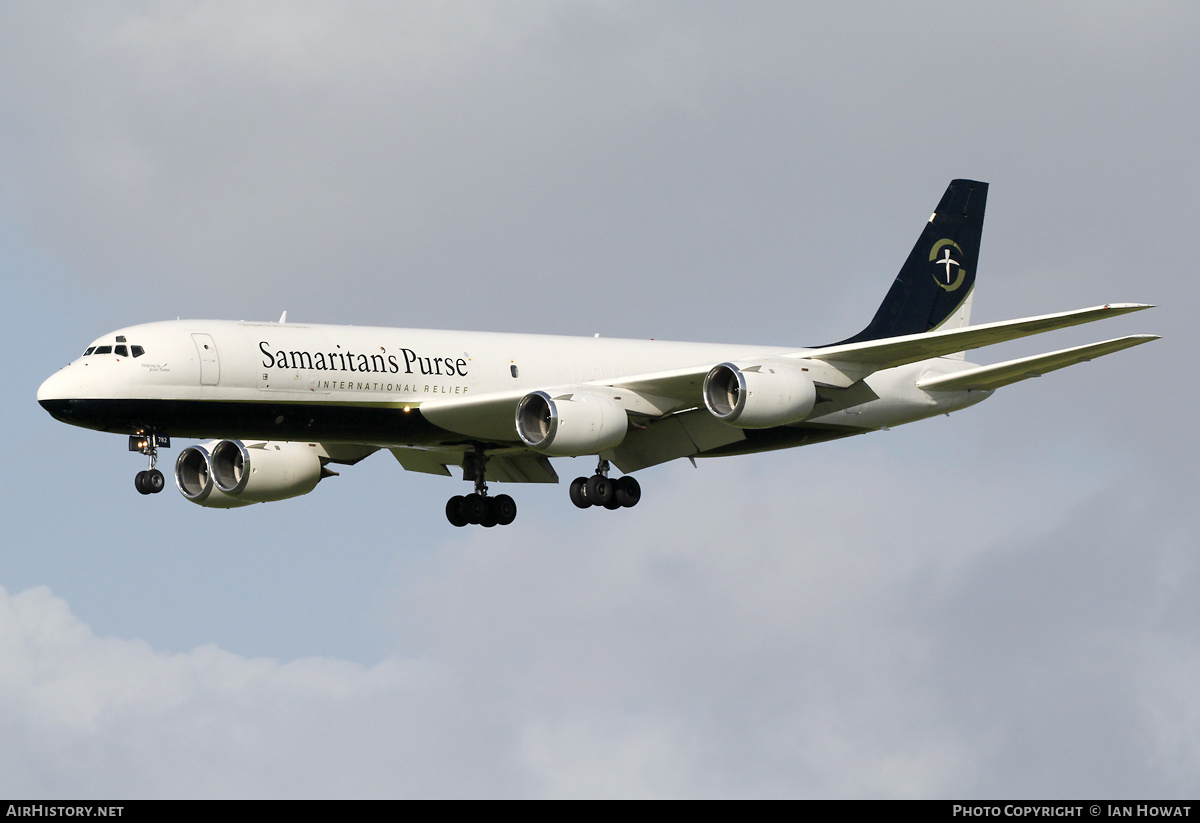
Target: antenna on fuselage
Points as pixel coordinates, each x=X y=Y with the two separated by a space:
x=283 y=317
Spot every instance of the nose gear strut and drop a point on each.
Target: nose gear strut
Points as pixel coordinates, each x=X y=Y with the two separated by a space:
x=150 y=481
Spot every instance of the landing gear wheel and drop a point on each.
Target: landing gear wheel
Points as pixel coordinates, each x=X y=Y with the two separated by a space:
x=476 y=508
x=150 y=481
x=628 y=492
x=490 y=516
x=154 y=481
x=456 y=510
x=506 y=509
x=579 y=492
x=599 y=490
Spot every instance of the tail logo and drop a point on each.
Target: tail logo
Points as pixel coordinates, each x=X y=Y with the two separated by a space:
x=947 y=263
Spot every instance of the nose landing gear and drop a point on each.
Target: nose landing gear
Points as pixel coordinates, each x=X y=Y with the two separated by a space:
x=150 y=481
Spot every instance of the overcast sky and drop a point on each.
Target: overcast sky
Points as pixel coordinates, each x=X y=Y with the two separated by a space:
x=996 y=604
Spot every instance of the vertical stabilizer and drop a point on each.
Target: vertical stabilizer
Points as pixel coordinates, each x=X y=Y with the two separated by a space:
x=933 y=289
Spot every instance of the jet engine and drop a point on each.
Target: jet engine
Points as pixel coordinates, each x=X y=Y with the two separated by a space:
x=225 y=474
x=759 y=395
x=574 y=423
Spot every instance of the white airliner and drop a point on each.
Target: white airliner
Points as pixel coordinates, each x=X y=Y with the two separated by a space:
x=285 y=400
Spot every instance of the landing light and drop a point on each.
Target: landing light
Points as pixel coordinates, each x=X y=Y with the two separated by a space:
x=142 y=442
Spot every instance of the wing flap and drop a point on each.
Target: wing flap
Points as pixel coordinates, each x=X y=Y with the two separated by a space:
x=679 y=435
x=1013 y=371
x=520 y=468
x=428 y=461
x=502 y=467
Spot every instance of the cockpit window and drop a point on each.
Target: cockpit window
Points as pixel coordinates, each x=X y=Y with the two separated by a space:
x=119 y=350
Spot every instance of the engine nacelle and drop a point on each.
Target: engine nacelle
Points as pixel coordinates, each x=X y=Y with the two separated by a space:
x=759 y=395
x=225 y=474
x=583 y=422
x=193 y=478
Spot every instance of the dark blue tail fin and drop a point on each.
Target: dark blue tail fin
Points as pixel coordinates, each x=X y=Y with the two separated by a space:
x=939 y=274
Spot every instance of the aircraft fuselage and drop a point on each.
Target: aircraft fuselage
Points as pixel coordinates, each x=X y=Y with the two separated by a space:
x=365 y=385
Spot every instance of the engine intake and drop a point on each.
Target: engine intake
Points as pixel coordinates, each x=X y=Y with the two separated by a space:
x=759 y=395
x=584 y=422
x=193 y=478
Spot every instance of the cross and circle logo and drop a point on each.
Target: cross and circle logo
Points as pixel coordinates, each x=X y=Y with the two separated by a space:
x=948 y=271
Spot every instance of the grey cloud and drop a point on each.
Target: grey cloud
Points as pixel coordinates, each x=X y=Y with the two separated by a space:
x=813 y=649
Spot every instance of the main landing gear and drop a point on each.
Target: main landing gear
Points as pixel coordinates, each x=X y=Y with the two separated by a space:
x=150 y=481
x=477 y=508
x=600 y=490
x=481 y=510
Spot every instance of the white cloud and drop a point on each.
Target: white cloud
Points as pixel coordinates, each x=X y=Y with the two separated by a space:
x=817 y=648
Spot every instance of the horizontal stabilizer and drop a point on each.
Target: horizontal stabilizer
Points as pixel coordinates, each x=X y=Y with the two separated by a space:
x=1013 y=371
x=864 y=358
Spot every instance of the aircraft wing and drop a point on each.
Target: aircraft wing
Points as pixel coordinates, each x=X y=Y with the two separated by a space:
x=491 y=416
x=660 y=393
x=680 y=389
x=486 y=416
x=857 y=360
x=1013 y=371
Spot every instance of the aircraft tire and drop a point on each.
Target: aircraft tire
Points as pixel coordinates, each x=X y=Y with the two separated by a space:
x=456 y=510
x=628 y=492
x=476 y=508
x=579 y=492
x=506 y=509
x=491 y=513
x=139 y=483
x=154 y=481
x=599 y=490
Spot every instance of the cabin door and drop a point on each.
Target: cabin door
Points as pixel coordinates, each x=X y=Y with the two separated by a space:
x=210 y=366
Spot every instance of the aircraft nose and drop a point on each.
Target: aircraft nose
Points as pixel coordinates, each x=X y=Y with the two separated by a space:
x=57 y=392
x=54 y=387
